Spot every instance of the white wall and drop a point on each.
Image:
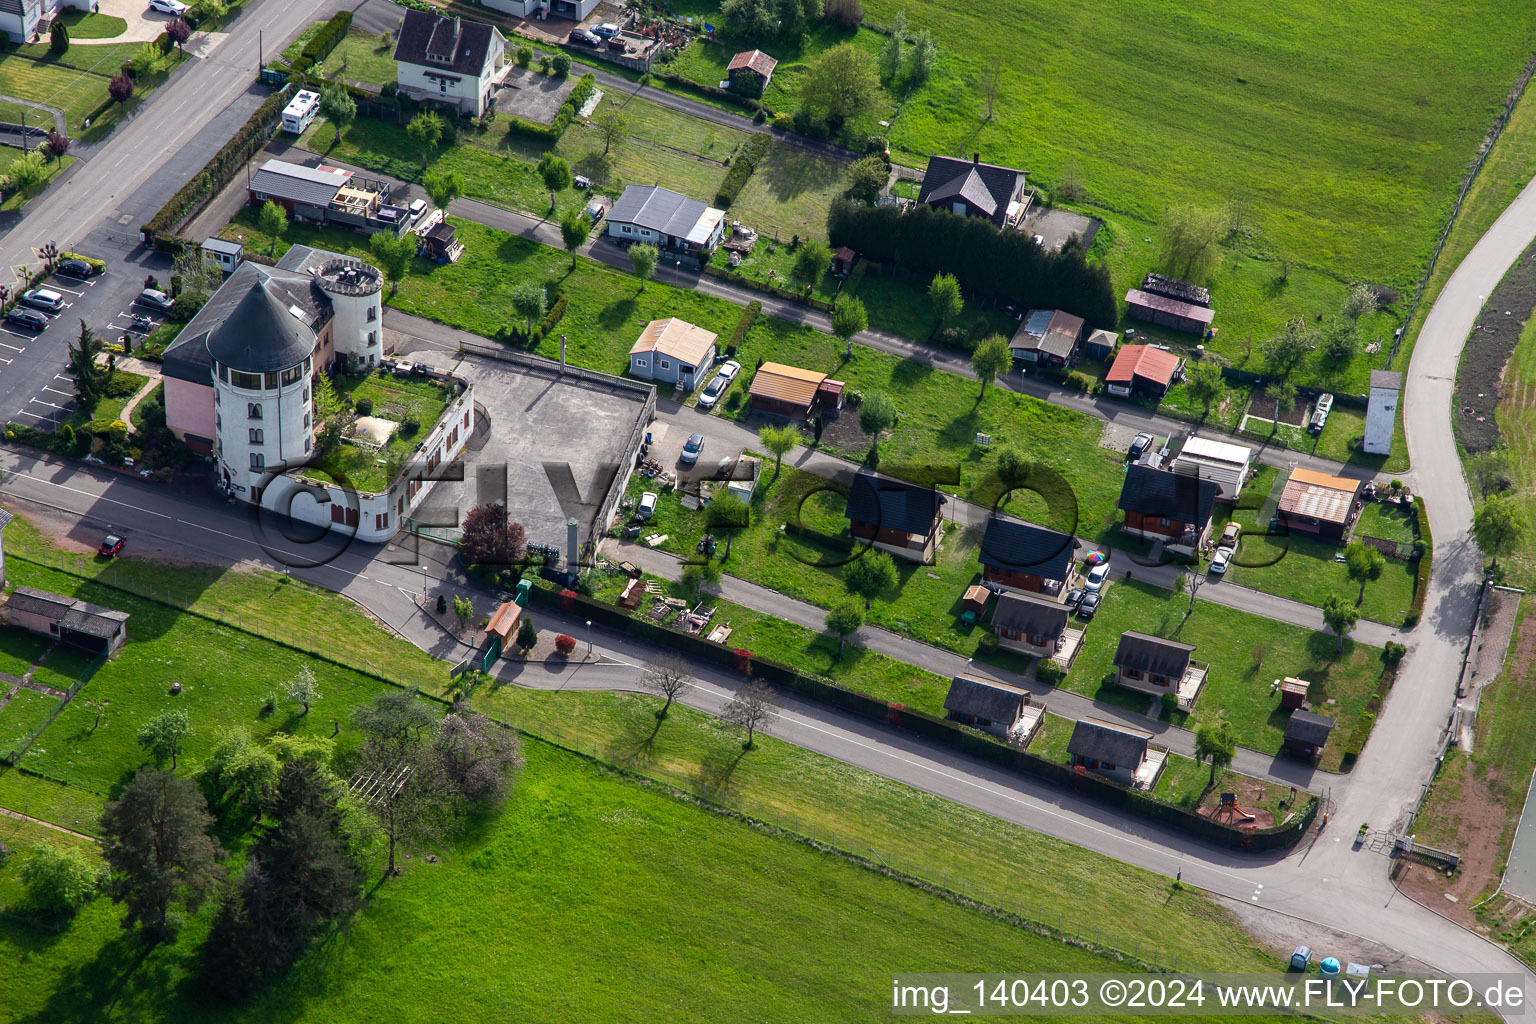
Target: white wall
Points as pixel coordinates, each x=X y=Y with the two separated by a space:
x=635 y=233
x=468 y=92
x=351 y=329
x=287 y=431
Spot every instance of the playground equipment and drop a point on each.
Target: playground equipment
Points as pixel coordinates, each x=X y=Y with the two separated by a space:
x=1228 y=810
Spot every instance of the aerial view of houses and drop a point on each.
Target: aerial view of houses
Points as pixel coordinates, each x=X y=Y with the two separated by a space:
x=526 y=470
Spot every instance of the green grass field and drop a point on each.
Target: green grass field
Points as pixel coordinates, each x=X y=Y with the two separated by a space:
x=27 y=710
x=77 y=93
x=360 y=58
x=397 y=400
x=790 y=192
x=1516 y=414
x=19 y=651
x=1245 y=653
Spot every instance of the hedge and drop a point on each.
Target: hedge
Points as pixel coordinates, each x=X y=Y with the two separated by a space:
x=219 y=171
x=744 y=324
x=99 y=266
x=327 y=38
x=556 y=311
x=746 y=162
x=1422 y=566
x=764 y=286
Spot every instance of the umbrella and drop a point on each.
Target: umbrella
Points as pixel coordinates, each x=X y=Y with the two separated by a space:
x=1095 y=556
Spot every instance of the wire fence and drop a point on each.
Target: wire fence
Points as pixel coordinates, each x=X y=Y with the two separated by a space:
x=24 y=742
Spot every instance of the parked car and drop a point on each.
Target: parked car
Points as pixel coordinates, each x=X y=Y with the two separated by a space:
x=417 y=208
x=691 y=449
x=1219 y=561
x=595 y=211
x=1097 y=577
x=1139 y=445
x=1320 y=413
x=1075 y=597
x=155 y=298
x=21 y=316
x=1089 y=606
x=1229 y=535
x=45 y=299
x=729 y=371
x=647 y=505
x=110 y=545
x=607 y=30
x=175 y=8
x=582 y=182
x=713 y=390
x=75 y=268
x=586 y=38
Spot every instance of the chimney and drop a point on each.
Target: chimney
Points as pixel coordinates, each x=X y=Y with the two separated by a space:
x=572 y=540
x=976 y=158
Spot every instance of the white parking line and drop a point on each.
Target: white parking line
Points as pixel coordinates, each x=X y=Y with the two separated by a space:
x=71 y=277
x=56 y=391
x=23 y=337
x=50 y=405
x=60 y=288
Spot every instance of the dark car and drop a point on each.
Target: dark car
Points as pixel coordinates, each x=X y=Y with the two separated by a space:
x=1139 y=446
x=581 y=35
x=691 y=449
x=1089 y=605
x=23 y=316
x=1075 y=597
x=76 y=268
x=110 y=546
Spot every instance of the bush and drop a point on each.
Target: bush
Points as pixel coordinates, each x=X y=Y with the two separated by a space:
x=565 y=644
x=743 y=325
x=987 y=644
x=1170 y=704
x=410 y=426
x=1079 y=381
x=784 y=122
x=741 y=169
x=1422 y=565
x=562 y=63
x=1048 y=672
x=365 y=407
x=524 y=55
x=1393 y=653
x=99 y=266
x=58 y=38
x=58 y=881
x=552 y=317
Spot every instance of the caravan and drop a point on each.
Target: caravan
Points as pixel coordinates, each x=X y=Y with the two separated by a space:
x=300 y=114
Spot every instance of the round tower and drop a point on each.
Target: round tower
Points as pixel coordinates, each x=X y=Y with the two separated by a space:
x=357 y=332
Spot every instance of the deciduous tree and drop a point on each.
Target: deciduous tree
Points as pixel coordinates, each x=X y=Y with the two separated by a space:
x=1203 y=383
x=667 y=677
x=751 y=708
x=612 y=126
x=1499 y=524
x=556 y=174
x=1365 y=563
x=1340 y=616
x=529 y=301
x=840 y=85
x=944 y=295
x=1283 y=350
x=491 y=537
x=844 y=619
x=872 y=575
x=120 y=88
x=393 y=255
x=867 y=178
x=642 y=256
x=178 y=31
x=849 y=317
x=992 y=357
x=574 y=228
x=1215 y=742
x=477 y=754
x=778 y=441
x=877 y=414
x=1191 y=240
x=273 y=221
x=925 y=53
x=239 y=771
x=59 y=881
x=302 y=689
x=443 y=186
x=57 y=144
x=812 y=260
x=1488 y=472
x=425 y=131
x=729 y=515
x=161 y=736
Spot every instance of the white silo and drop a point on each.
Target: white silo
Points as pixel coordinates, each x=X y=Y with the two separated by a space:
x=355 y=289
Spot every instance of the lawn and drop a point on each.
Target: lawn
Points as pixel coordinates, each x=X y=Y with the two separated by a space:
x=1245 y=653
x=121 y=386
x=10 y=154
x=65 y=665
x=686 y=154
x=1516 y=413
x=401 y=401
x=1342 y=436
x=790 y=192
x=19 y=651
x=360 y=57
x=27 y=710
x=75 y=92
x=155 y=397
x=772 y=261
x=898 y=302
x=1051 y=739
x=87 y=25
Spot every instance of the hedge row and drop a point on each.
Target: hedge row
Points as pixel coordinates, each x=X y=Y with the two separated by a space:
x=743 y=325
x=766 y=288
x=563 y=117
x=714 y=92
x=965 y=740
x=1422 y=566
x=556 y=311
x=746 y=162
x=1003 y=265
x=219 y=171
x=327 y=37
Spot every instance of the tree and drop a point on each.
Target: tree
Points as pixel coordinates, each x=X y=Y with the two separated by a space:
x=877 y=414
x=90 y=378
x=847 y=13
x=1190 y=240
x=463 y=610
x=991 y=78
x=524 y=55
x=302 y=689
x=24 y=173
x=812 y=260
x=273 y=221
x=443 y=187
x=156 y=844
x=1283 y=394
x=161 y=736
x=795 y=16
x=1203 y=382
x=562 y=64
x=992 y=357
x=556 y=174
x=778 y=441
x=574 y=228
x=1340 y=617
x=425 y=131
x=840 y=85
x=613 y=126
x=56 y=145
x=1365 y=563
x=491 y=538
x=527 y=636
x=392 y=254
x=239 y=771
x=1215 y=742
x=695 y=577
x=750 y=18
x=1362 y=301
x=870 y=576
x=944 y=295
x=58 y=38
x=401 y=785
x=643 y=258
x=890 y=52
x=1339 y=340
x=751 y=708
x=667 y=677
x=1013 y=467
x=848 y=318
x=924 y=53
x=328 y=413
x=729 y=515
x=1499 y=523
x=58 y=881
x=528 y=302
x=844 y=619
x=178 y=31
x=120 y=88
x=477 y=754
x=867 y=178
x=1284 y=350
x=1488 y=472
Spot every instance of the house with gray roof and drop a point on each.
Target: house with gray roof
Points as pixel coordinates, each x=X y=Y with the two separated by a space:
x=1118 y=752
x=1029 y=625
x=896 y=516
x=666 y=219
x=69 y=619
x=991 y=706
x=1046 y=337
x=1152 y=665
x=1306 y=734
x=1027 y=559
x=971 y=188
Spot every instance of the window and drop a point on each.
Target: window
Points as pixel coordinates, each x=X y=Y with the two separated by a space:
x=1165 y=521
x=253 y=410
x=442 y=85
x=627 y=229
x=306 y=421
x=373 y=313
x=218 y=422
x=224 y=373
x=664 y=364
x=373 y=337
x=381 y=521
x=306 y=392
x=270 y=381
x=257 y=436
x=1131 y=673
x=216 y=396
x=292 y=374
x=258 y=460
x=248 y=381
x=307 y=443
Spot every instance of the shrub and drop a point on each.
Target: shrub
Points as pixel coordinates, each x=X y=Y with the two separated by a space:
x=552 y=317
x=562 y=63
x=565 y=644
x=58 y=881
x=987 y=644
x=1170 y=704
x=1421 y=566
x=365 y=407
x=1048 y=672
x=524 y=55
x=1079 y=381
x=1393 y=653
x=743 y=325
x=741 y=169
x=784 y=122
x=410 y=426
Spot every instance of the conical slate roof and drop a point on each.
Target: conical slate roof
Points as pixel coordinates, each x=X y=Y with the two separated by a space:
x=262 y=333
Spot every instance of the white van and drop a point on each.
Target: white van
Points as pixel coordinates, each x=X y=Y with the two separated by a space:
x=301 y=112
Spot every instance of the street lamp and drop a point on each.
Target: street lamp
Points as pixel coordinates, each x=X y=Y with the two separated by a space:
x=589 y=636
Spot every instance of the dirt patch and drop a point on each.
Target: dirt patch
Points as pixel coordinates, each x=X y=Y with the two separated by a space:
x=1249 y=795
x=1262 y=407
x=1480 y=377
x=843 y=434
x=1281 y=933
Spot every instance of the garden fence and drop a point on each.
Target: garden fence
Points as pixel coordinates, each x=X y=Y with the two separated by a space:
x=15 y=754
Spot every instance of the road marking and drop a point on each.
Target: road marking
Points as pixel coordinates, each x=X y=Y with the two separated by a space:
x=56 y=391
x=23 y=337
x=60 y=288
x=50 y=405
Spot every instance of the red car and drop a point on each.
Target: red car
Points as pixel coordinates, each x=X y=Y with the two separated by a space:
x=111 y=546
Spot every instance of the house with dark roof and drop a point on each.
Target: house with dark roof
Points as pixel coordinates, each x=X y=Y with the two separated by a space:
x=1047 y=337
x=1029 y=625
x=1150 y=664
x=971 y=188
x=665 y=219
x=326 y=194
x=1002 y=710
x=449 y=60
x=750 y=72
x=1027 y=559
x=1170 y=507
x=1117 y=752
x=896 y=516
x=76 y=622
x=1142 y=370
x=1306 y=734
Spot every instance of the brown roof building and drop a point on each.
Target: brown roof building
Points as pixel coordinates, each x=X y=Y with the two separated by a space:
x=794 y=392
x=1318 y=503
x=1142 y=369
x=754 y=62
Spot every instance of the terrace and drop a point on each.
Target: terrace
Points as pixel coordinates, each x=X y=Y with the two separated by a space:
x=401 y=411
